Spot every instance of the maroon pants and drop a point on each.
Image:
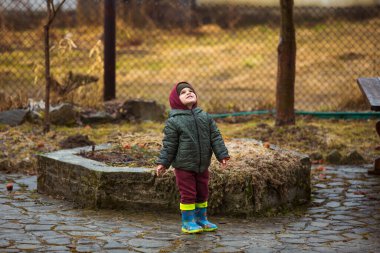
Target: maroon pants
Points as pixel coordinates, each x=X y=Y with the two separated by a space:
x=192 y=186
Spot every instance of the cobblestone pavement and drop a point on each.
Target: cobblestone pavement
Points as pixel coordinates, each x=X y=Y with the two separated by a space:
x=344 y=216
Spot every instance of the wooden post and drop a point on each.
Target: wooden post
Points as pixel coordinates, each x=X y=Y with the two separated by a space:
x=109 y=91
x=286 y=66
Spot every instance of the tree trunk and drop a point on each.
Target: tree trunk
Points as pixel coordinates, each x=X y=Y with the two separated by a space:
x=52 y=11
x=286 y=66
x=47 y=78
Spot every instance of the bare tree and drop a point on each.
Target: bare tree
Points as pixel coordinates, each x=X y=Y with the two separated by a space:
x=52 y=12
x=286 y=66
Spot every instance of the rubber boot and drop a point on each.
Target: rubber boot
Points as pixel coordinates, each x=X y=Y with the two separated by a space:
x=201 y=220
x=188 y=223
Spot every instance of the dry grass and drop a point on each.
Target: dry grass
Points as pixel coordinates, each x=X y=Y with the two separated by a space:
x=241 y=63
x=312 y=135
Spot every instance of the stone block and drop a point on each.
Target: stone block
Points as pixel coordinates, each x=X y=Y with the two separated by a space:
x=141 y=110
x=13 y=117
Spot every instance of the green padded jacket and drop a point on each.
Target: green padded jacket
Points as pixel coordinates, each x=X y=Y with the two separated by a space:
x=190 y=138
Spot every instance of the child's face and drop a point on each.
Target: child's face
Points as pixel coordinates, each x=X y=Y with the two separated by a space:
x=188 y=97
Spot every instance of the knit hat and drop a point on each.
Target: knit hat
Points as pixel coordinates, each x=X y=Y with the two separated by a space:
x=175 y=102
x=181 y=86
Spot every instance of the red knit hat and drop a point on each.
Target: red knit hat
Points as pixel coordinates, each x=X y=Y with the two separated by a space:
x=175 y=102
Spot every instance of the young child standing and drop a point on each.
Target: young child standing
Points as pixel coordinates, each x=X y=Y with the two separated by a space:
x=190 y=138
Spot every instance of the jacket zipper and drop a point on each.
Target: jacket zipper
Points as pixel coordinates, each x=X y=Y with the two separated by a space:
x=199 y=141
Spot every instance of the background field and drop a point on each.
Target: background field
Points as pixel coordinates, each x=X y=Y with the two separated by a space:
x=233 y=67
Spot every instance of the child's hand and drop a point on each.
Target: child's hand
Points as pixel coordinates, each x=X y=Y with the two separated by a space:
x=223 y=163
x=160 y=170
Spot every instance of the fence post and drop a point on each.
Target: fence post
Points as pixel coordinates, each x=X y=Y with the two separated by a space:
x=109 y=91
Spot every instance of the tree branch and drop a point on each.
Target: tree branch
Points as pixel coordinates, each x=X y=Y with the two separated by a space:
x=49 y=3
x=52 y=6
x=59 y=6
x=53 y=11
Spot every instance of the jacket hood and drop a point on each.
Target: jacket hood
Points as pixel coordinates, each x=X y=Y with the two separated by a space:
x=175 y=102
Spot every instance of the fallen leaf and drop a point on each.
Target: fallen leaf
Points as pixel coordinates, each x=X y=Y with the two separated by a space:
x=40 y=145
x=9 y=186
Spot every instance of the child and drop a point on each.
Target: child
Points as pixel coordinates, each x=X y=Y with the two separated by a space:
x=191 y=136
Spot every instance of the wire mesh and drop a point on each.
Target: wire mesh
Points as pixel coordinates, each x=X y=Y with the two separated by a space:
x=227 y=51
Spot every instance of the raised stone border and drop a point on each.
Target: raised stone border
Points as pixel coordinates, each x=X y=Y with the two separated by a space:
x=93 y=184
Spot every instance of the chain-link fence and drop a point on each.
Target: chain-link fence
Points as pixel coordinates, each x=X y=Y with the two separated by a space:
x=227 y=51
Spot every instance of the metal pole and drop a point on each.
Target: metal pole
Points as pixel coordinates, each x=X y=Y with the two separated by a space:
x=109 y=91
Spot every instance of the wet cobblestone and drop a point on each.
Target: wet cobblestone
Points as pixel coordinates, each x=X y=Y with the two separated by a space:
x=344 y=216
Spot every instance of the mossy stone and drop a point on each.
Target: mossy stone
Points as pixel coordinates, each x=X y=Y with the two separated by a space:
x=353 y=157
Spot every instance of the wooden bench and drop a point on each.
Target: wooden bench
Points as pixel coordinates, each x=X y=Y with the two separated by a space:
x=370 y=87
